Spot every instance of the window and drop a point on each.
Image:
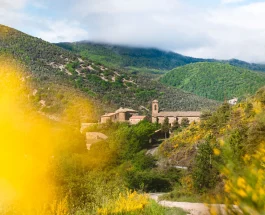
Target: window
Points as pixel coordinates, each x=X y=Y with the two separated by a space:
x=155 y=107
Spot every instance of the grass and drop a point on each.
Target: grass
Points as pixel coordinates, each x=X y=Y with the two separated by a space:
x=155 y=209
x=194 y=198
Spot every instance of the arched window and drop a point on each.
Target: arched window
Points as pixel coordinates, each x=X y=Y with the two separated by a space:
x=155 y=107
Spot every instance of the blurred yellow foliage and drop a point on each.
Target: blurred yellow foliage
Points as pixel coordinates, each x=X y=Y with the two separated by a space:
x=26 y=149
x=248 y=189
x=128 y=202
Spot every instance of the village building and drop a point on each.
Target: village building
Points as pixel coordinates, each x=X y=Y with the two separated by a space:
x=233 y=101
x=159 y=117
x=136 y=119
x=123 y=115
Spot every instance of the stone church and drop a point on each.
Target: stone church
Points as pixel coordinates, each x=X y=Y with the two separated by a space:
x=159 y=117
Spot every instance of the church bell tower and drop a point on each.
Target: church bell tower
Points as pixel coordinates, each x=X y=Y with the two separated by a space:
x=155 y=107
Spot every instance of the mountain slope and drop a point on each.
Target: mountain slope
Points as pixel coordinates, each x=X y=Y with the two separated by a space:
x=55 y=73
x=151 y=58
x=215 y=80
x=123 y=56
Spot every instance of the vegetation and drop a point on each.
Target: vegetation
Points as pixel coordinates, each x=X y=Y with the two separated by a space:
x=185 y=122
x=50 y=170
x=215 y=80
x=126 y=146
x=122 y=56
x=165 y=127
x=142 y=59
x=225 y=157
x=99 y=180
x=133 y=204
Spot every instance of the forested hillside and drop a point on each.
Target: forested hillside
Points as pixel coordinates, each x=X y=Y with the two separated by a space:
x=123 y=56
x=148 y=58
x=215 y=80
x=228 y=145
x=59 y=77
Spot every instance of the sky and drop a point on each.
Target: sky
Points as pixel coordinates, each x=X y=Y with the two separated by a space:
x=221 y=29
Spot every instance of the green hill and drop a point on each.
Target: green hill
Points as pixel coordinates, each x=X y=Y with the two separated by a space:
x=60 y=78
x=228 y=145
x=149 y=58
x=215 y=80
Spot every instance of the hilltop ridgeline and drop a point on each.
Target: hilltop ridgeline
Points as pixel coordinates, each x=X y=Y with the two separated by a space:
x=150 y=58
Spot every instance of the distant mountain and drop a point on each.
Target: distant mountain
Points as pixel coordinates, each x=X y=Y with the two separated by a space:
x=151 y=58
x=215 y=80
x=59 y=78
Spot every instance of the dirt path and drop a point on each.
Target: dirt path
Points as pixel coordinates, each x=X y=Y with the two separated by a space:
x=192 y=208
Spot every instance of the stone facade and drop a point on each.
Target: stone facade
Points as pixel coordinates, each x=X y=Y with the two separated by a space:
x=136 y=119
x=120 y=115
x=159 y=117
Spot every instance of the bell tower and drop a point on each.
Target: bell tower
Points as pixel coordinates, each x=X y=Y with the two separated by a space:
x=155 y=107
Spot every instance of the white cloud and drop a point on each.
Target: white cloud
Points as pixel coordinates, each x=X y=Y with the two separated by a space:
x=237 y=33
x=218 y=31
x=62 y=31
x=14 y=4
x=231 y=1
x=39 y=5
x=128 y=6
x=13 y=15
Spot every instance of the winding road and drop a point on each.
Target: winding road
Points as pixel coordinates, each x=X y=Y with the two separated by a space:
x=191 y=208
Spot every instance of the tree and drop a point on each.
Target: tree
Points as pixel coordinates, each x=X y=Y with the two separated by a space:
x=204 y=173
x=175 y=125
x=185 y=122
x=165 y=126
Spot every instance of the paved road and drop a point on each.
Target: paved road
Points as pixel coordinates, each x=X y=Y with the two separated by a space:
x=192 y=208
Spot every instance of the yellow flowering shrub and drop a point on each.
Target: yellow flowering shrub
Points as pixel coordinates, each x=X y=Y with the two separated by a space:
x=59 y=207
x=247 y=189
x=126 y=203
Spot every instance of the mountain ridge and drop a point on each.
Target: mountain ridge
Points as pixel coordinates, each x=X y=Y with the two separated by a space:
x=134 y=56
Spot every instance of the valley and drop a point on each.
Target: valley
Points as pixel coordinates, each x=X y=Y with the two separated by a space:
x=151 y=121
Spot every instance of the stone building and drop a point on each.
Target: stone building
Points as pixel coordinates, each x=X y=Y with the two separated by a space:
x=120 y=115
x=233 y=101
x=136 y=119
x=159 y=117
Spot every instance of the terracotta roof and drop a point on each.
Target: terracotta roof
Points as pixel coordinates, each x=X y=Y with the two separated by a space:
x=138 y=117
x=179 y=114
x=124 y=110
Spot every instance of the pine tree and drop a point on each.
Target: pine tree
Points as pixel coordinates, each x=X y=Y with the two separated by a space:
x=165 y=126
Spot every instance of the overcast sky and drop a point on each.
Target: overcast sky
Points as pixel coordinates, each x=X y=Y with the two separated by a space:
x=222 y=29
